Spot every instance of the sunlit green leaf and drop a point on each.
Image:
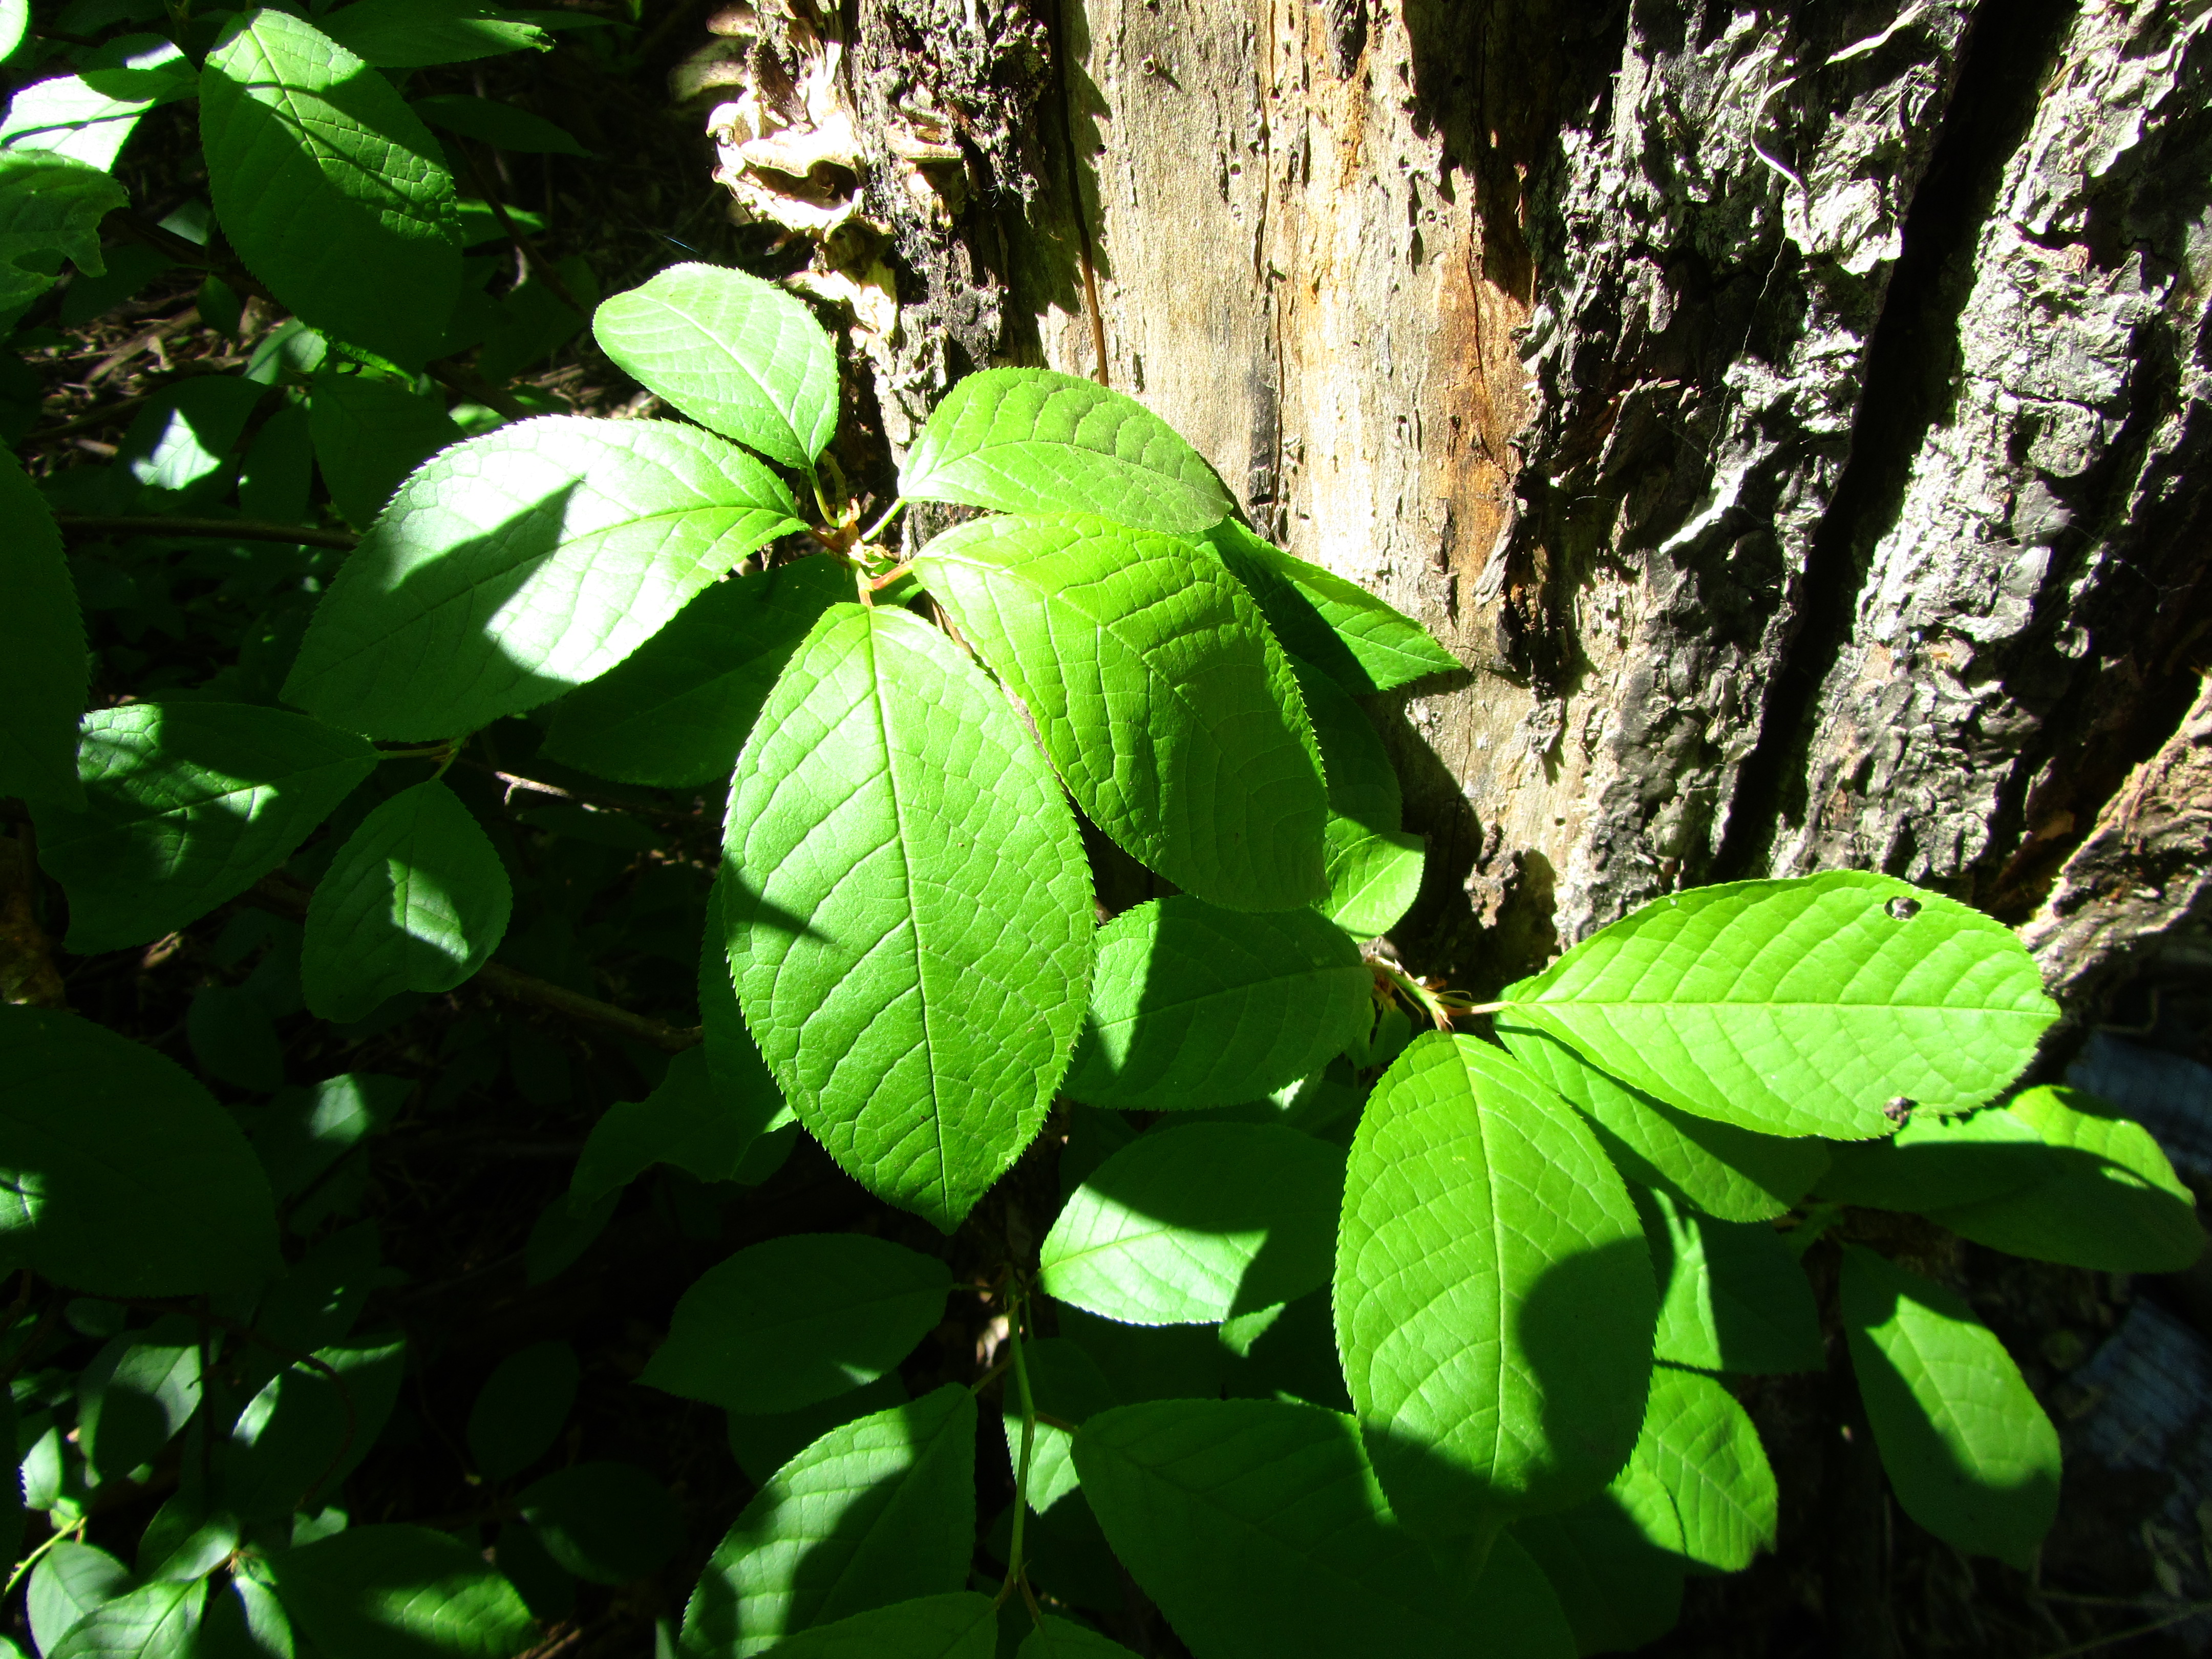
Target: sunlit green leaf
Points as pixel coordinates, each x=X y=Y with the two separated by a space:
x=136 y=1394
x=390 y=1592
x=1165 y=704
x=1698 y=1470
x=960 y=1625
x=154 y=1621
x=909 y=910
x=1066 y=1384
x=1492 y=1286
x=1799 y=1008
x=70 y=1582
x=409 y=33
x=369 y=434
x=1732 y=1296
x=50 y=206
x=1034 y=440
x=1356 y=639
x=517 y=565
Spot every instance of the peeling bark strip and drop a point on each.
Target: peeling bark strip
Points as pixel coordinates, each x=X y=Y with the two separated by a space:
x=1790 y=413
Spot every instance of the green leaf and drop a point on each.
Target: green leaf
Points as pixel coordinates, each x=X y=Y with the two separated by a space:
x=43 y=677
x=1731 y=1173
x=743 y=1089
x=189 y=803
x=1193 y=1006
x=49 y=205
x=1494 y=1297
x=1970 y=1454
x=529 y=322
x=734 y=353
x=154 y=1621
x=244 y=1620
x=1033 y=441
x=909 y=910
x=1163 y=700
x=1259 y=1528
x=304 y=1131
x=118 y=1174
x=330 y=189
x=1735 y=1298
x=136 y=1394
x=69 y=1583
x=496 y=123
x=607 y=1523
x=369 y=434
x=1616 y=1591
x=88 y=115
x=2105 y=1196
x=1057 y=1638
x=413 y=34
x=837 y=1310
x=1198 y=1223
x=1065 y=1382
x=306 y=1430
x=1374 y=865
x=391 y=1592
x=1354 y=638
x=764 y=1444
x=520 y=1410
x=517 y=565
x=681 y=1122
x=523 y=563
x=1934 y=1163
x=15 y=25
x=416 y=900
x=185 y=433
x=1700 y=1449
x=960 y=1625
x=679 y=710
x=875 y=1512
x=1799 y=1008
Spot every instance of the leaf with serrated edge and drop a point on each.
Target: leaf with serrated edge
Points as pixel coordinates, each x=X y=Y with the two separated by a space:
x=1492 y=1285
x=1192 y=1006
x=1799 y=1008
x=394 y=1592
x=960 y=1625
x=368 y=435
x=1066 y=1383
x=411 y=33
x=1698 y=1478
x=154 y=1621
x=49 y=204
x=1058 y=1638
x=685 y=1122
x=1164 y=701
x=1034 y=440
x=122 y=1174
x=677 y=710
x=2105 y=1196
x=909 y=910
x=187 y=803
x=515 y=566
x=1259 y=1528
x=68 y=1583
x=42 y=652
x=1617 y=1591
x=1735 y=1174
x=1935 y=1162
x=1198 y=1223
x=838 y=1311
x=733 y=352
x=1969 y=1452
x=330 y=189
x=416 y=900
x=88 y=116
x=1374 y=867
x=1356 y=639
x=878 y=1511
x=1733 y=1296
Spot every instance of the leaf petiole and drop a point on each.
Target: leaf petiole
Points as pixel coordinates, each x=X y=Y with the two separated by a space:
x=884 y=523
x=1014 y=1572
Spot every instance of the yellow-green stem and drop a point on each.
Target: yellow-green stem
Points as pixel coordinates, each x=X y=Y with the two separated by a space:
x=1014 y=1573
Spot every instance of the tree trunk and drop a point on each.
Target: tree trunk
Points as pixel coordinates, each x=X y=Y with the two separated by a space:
x=1792 y=417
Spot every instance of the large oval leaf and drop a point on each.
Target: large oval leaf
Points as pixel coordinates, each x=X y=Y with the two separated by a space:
x=1197 y=1225
x=519 y=564
x=1359 y=641
x=677 y=712
x=1698 y=1482
x=1161 y=697
x=960 y=1625
x=154 y=1621
x=1192 y=1005
x=1799 y=1008
x=416 y=900
x=875 y=1512
x=1494 y=1297
x=42 y=654
x=1259 y=1528
x=1970 y=1453
x=400 y=1593
x=837 y=1310
x=1616 y=1591
x=1735 y=1174
x=909 y=910
x=187 y=803
x=1034 y=440
x=332 y=191
x=733 y=352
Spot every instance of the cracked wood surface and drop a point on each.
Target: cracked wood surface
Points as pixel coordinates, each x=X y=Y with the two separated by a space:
x=1789 y=415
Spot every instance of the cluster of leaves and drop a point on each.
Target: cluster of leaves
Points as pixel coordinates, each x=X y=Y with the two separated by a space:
x=1360 y=1339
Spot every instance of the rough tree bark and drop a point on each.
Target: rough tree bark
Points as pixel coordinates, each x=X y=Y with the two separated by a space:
x=1792 y=415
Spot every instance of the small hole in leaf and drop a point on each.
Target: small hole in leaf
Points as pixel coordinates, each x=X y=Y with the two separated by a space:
x=1903 y=908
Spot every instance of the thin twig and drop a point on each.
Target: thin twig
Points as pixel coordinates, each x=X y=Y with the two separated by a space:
x=538 y=262
x=102 y=416
x=229 y=530
x=2094 y=1643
